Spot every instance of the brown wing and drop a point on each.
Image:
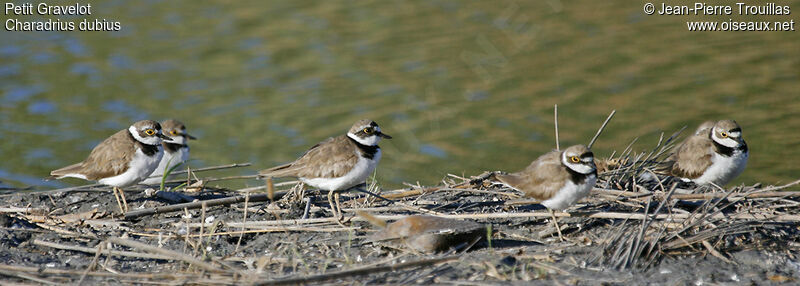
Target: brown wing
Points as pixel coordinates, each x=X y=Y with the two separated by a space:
x=542 y=179
x=331 y=158
x=107 y=159
x=692 y=158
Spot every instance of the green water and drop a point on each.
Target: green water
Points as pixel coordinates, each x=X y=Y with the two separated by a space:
x=463 y=86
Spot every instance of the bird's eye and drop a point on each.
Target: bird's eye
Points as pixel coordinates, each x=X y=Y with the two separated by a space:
x=724 y=134
x=149 y=132
x=174 y=132
x=574 y=159
x=367 y=130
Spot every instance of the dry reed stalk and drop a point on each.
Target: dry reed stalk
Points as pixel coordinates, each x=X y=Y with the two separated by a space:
x=259 y=229
x=555 y=122
x=175 y=255
x=244 y=219
x=155 y=276
x=213 y=168
x=270 y=189
x=99 y=252
x=602 y=127
x=258 y=188
x=93 y=264
x=199 y=241
x=25 y=276
x=733 y=196
x=193 y=205
x=619 y=193
x=358 y=271
x=25 y=210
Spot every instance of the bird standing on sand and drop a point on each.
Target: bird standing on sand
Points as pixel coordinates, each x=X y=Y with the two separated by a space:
x=124 y=159
x=337 y=163
x=557 y=179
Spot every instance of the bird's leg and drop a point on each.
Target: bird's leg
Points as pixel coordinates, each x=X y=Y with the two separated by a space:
x=338 y=207
x=119 y=203
x=124 y=201
x=332 y=206
x=307 y=208
x=555 y=222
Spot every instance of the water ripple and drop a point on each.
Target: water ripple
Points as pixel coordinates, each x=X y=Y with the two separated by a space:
x=432 y=150
x=41 y=107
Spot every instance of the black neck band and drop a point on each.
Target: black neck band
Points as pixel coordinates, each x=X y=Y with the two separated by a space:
x=367 y=151
x=147 y=149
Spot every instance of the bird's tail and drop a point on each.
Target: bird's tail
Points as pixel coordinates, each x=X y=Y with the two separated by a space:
x=284 y=170
x=64 y=172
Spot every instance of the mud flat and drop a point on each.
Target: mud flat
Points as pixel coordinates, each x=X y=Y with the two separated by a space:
x=625 y=233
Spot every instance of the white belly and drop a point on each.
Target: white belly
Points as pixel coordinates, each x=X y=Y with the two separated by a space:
x=723 y=169
x=138 y=169
x=167 y=161
x=570 y=193
x=356 y=176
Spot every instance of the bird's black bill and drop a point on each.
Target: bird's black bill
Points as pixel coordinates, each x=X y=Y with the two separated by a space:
x=164 y=136
x=384 y=135
x=189 y=136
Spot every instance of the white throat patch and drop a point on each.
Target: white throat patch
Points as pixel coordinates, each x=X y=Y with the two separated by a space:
x=176 y=139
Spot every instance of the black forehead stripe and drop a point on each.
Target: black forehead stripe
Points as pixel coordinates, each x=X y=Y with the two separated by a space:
x=737 y=129
x=587 y=154
x=361 y=132
x=373 y=124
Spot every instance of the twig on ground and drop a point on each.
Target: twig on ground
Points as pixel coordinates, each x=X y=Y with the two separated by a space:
x=175 y=255
x=359 y=271
x=194 y=205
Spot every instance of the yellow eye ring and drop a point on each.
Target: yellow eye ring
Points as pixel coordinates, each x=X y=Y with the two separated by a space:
x=723 y=134
x=367 y=130
x=174 y=132
x=574 y=159
x=149 y=132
